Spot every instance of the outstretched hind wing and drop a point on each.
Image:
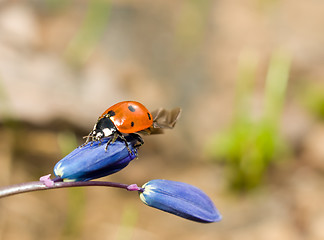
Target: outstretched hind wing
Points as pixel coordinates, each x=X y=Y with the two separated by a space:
x=163 y=119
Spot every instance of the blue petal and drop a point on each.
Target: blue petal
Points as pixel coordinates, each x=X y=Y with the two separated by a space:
x=181 y=199
x=92 y=161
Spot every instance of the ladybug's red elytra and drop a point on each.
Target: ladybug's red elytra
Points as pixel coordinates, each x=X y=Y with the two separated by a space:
x=127 y=117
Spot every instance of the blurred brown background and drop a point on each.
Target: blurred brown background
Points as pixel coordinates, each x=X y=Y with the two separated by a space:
x=62 y=63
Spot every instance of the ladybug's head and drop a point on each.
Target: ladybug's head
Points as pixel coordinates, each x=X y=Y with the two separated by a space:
x=103 y=128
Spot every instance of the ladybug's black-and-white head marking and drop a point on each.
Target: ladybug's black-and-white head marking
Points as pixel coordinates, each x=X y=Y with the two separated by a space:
x=103 y=128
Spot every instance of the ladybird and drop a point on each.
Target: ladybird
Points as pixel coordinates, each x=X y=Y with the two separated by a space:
x=127 y=117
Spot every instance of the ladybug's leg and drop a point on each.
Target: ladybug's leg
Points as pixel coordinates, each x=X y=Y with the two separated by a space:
x=126 y=143
x=112 y=140
x=121 y=136
x=139 y=139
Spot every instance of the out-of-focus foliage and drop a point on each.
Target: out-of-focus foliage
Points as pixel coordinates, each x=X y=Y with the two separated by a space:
x=90 y=31
x=250 y=145
x=312 y=97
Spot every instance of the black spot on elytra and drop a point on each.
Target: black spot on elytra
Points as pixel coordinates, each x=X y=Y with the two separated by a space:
x=111 y=113
x=149 y=116
x=131 y=108
x=132 y=124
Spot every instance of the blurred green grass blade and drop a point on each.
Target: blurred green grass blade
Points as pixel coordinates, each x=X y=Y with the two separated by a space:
x=75 y=213
x=191 y=24
x=247 y=67
x=67 y=142
x=276 y=84
x=90 y=31
x=311 y=95
x=129 y=219
x=5 y=109
x=57 y=5
x=249 y=145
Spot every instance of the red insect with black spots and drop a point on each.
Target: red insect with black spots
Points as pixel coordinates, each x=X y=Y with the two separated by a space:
x=126 y=117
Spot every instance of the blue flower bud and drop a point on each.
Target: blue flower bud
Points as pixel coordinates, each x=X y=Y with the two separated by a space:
x=93 y=161
x=181 y=199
